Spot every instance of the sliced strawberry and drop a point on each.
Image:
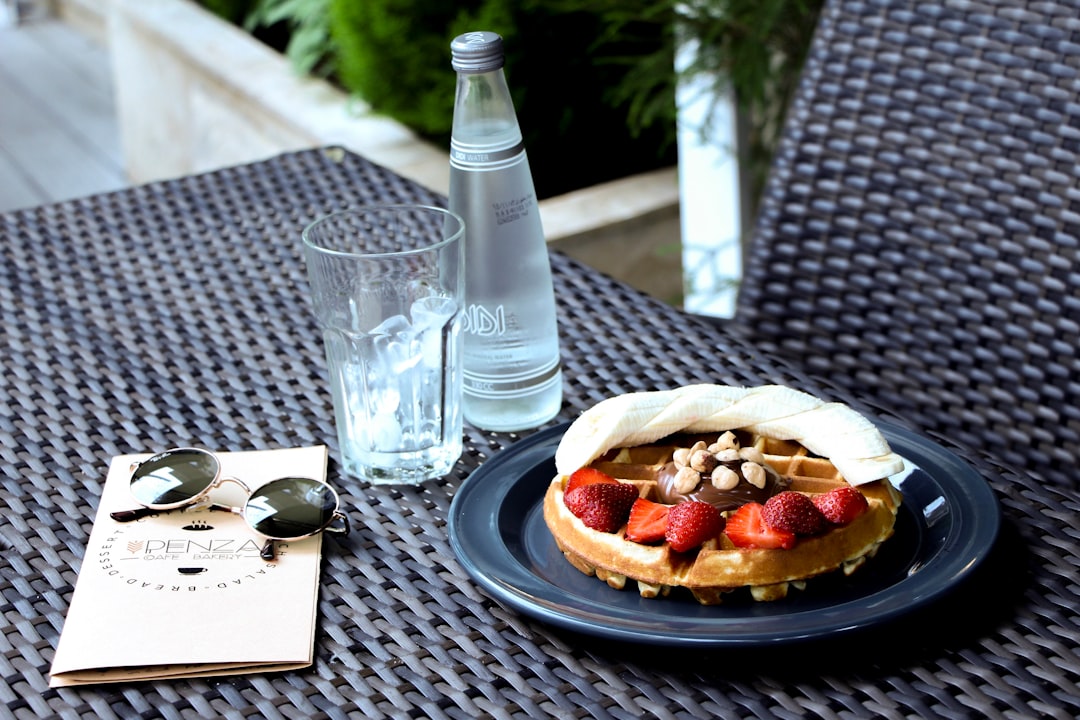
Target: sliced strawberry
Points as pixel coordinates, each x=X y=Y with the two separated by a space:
x=587 y=476
x=746 y=528
x=793 y=512
x=602 y=506
x=648 y=521
x=841 y=505
x=692 y=523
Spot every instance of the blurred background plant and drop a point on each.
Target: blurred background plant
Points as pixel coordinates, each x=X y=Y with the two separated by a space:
x=594 y=81
x=301 y=28
x=749 y=50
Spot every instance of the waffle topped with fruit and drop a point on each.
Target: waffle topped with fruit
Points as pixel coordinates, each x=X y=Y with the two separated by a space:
x=715 y=488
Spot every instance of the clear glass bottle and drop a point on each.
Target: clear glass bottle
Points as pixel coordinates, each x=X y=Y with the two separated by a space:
x=512 y=373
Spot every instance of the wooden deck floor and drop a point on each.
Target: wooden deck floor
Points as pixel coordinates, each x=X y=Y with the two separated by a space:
x=59 y=137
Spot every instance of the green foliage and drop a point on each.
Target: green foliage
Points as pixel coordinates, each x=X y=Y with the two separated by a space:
x=305 y=24
x=753 y=48
x=593 y=80
x=569 y=64
x=761 y=46
x=396 y=55
x=232 y=10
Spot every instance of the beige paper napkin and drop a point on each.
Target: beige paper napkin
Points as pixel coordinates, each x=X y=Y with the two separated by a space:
x=185 y=594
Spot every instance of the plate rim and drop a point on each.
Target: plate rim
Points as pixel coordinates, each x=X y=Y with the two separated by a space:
x=969 y=542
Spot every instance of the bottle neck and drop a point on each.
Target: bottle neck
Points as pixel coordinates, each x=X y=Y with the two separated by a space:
x=484 y=116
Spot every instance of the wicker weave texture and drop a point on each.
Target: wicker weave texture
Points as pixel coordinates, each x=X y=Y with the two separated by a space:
x=920 y=235
x=177 y=314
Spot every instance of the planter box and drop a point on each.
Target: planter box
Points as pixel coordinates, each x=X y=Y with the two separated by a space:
x=195 y=93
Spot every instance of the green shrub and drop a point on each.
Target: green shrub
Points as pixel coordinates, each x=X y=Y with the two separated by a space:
x=232 y=10
x=754 y=49
x=396 y=55
x=302 y=27
x=592 y=80
x=563 y=63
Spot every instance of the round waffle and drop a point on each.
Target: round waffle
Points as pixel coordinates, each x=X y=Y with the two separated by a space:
x=719 y=567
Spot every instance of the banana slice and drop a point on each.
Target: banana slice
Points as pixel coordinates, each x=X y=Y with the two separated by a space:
x=859 y=471
x=831 y=430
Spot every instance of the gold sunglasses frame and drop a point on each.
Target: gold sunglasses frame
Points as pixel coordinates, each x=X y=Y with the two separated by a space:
x=201 y=501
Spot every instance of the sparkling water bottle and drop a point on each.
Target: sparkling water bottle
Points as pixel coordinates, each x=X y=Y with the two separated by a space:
x=512 y=376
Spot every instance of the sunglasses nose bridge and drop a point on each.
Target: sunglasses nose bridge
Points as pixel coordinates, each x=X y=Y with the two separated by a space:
x=234 y=480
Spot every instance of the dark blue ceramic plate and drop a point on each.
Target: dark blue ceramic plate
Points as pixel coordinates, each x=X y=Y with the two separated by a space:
x=946 y=526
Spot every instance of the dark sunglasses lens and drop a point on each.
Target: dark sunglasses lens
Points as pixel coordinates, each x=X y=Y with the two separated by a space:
x=173 y=477
x=291 y=508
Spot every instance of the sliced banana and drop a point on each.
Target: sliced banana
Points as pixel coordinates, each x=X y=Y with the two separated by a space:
x=768 y=402
x=858 y=471
x=831 y=430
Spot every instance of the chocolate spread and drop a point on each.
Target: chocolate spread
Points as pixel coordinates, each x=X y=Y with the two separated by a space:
x=724 y=500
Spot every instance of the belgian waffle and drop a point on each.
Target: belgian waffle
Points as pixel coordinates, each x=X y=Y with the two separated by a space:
x=720 y=567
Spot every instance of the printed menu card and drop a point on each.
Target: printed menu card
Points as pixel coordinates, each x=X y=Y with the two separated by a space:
x=185 y=593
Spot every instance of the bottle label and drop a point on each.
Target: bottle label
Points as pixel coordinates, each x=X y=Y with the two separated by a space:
x=512 y=385
x=480 y=321
x=464 y=157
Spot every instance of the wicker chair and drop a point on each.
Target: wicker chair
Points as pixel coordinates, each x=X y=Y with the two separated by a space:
x=919 y=239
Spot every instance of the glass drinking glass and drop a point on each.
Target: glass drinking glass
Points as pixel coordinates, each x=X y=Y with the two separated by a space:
x=387 y=286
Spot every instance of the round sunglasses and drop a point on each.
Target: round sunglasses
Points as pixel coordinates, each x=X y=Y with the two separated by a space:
x=286 y=509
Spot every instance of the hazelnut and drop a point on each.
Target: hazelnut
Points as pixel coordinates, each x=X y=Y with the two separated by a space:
x=754 y=474
x=703 y=461
x=681 y=457
x=724 y=478
x=686 y=480
x=726 y=441
x=752 y=454
x=729 y=455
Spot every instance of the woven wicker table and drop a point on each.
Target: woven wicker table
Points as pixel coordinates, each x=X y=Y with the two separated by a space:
x=177 y=313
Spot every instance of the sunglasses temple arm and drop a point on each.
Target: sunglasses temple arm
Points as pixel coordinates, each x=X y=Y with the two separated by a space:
x=139 y=513
x=131 y=515
x=268 y=552
x=342 y=528
x=224 y=508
